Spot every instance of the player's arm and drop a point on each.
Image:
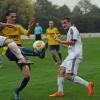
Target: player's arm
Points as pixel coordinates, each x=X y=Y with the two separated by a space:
x=66 y=42
x=30 y=26
x=57 y=32
x=6 y=24
x=46 y=33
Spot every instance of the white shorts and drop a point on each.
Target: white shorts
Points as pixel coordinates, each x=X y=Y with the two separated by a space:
x=71 y=65
x=2 y=39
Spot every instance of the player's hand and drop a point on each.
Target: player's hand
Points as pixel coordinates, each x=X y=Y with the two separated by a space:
x=31 y=23
x=56 y=37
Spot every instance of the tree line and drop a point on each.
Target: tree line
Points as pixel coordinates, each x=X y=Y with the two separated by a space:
x=84 y=15
x=25 y=10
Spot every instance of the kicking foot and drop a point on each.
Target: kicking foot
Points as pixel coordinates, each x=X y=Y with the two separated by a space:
x=42 y=53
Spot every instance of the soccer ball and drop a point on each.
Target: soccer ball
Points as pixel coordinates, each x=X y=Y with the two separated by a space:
x=38 y=45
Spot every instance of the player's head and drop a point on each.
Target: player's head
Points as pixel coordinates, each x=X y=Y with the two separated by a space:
x=66 y=23
x=51 y=23
x=37 y=24
x=11 y=16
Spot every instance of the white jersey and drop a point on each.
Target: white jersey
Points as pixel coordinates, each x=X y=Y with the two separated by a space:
x=74 y=51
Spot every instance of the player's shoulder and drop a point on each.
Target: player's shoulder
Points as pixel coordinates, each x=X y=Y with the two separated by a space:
x=18 y=26
x=73 y=29
x=55 y=28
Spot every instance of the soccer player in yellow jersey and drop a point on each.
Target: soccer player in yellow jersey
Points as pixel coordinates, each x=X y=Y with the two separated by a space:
x=53 y=44
x=14 y=32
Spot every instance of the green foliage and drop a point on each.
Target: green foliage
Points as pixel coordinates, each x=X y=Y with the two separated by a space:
x=25 y=9
x=85 y=15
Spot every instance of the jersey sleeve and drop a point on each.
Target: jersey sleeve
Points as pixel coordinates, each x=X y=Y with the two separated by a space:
x=23 y=30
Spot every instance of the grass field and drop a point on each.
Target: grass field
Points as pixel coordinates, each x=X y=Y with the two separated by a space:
x=44 y=72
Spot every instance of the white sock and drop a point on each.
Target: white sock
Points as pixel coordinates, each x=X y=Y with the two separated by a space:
x=60 y=83
x=15 y=50
x=80 y=81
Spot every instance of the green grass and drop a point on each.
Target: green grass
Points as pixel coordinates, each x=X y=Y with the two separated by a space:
x=44 y=72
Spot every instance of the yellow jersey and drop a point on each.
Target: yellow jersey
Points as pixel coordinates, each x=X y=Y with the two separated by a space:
x=14 y=34
x=50 y=33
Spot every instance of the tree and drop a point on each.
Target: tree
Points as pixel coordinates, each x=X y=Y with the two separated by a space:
x=63 y=11
x=25 y=9
x=85 y=6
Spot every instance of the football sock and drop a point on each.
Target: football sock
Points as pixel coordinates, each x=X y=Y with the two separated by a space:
x=23 y=85
x=54 y=57
x=15 y=50
x=28 y=52
x=80 y=81
x=60 y=83
x=60 y=56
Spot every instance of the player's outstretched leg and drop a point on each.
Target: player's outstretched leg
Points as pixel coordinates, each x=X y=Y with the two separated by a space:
x=81 y=81
x=16 y=51
x=42 y=53
x=29 y=52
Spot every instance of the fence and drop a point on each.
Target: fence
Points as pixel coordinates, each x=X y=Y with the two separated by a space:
x=84 y=35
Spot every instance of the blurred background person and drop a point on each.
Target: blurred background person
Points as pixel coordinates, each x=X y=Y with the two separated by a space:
x=38 y=31
x=53 y=44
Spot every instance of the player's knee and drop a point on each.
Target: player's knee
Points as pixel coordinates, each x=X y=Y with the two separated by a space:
x=7 y=41
x=53 y=52
x=68 y=76
x=61 y=71
x=28 y=76
x=26 y=72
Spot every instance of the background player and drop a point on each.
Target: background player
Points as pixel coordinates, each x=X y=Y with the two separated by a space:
x=52 y=42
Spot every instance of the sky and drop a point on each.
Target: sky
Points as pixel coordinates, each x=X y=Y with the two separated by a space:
x=72 y=3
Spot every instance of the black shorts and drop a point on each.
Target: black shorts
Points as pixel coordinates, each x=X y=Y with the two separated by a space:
x=12 y=57
x=54 y=47
x=38 y=37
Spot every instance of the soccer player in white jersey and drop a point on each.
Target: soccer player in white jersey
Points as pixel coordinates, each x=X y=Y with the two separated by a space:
x=69 y=67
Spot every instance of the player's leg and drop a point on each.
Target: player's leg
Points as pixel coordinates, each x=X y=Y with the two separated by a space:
x=58 y=52
x=60 y=81
x=36 y=37
x=15 y=50
x=26 y=74
x=29 y=52
x=71 y=74
x=53 y=52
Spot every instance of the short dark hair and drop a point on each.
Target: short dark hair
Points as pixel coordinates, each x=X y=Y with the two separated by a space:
x=66 y=18
x=9 y=11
